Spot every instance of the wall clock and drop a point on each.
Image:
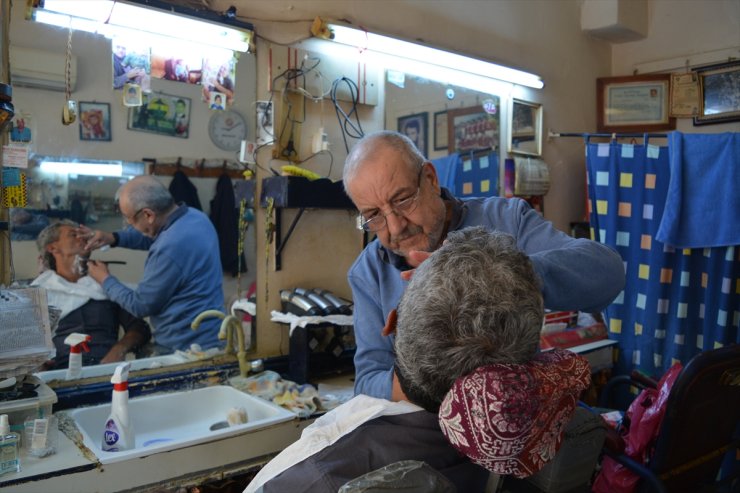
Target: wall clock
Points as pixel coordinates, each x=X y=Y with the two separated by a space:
x=227 y=129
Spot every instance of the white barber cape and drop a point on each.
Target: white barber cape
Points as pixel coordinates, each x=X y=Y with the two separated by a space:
x=68 y=296
x=326 y=430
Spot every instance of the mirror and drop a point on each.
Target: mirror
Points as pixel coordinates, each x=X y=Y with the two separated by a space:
x=51 y=196
x=525 y=128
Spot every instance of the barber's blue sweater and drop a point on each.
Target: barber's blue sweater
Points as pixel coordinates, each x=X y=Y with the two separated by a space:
x=182 y=278
x=575 y=274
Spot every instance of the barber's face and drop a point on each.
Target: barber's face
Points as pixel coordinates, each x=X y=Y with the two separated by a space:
x=384 y=181
x=143 y=220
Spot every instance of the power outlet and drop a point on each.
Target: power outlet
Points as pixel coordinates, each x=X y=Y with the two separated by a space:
x=320 y=141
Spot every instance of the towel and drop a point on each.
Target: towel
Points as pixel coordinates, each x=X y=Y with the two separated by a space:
x=446 y=168
x=702 y=207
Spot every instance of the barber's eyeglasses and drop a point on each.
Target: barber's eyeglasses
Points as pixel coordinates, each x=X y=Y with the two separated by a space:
x=401 y=207
x=131 y=220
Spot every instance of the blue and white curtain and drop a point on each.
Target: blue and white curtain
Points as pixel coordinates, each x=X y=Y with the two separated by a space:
x=676 y=302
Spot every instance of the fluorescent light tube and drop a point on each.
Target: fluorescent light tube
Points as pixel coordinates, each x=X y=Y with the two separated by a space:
x=115 y=18
x=82 y=168
x=412 y=51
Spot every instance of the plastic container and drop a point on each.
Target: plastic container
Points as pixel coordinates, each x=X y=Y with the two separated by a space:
x=21 y=410
x=41 y=436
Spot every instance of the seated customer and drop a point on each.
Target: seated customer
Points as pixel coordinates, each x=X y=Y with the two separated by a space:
x=472 y=308
x=84 y=306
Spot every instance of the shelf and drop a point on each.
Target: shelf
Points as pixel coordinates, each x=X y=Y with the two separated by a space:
x=298 y=192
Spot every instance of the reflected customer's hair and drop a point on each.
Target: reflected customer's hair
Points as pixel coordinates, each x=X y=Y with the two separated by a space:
x=148 y=192
x=46 y=237
x=474 y=302
x=367 y=147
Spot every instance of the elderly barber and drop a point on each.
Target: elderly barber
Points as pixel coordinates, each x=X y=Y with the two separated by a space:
x=84 y=306
x=182 y=274
x=400 y=200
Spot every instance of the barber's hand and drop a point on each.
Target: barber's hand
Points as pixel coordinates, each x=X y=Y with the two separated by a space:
x=97 y=270
x=95 y=239
x=415 y=258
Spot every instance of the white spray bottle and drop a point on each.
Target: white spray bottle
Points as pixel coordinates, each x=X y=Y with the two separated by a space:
x=77 y=343
x=119 y=433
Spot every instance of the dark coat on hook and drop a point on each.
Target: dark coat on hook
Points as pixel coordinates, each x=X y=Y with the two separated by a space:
x=183 y=190
x=225 y=218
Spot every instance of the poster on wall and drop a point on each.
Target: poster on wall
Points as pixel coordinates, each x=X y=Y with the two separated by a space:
x=161 y=114
x=219 y=76
x=21 y=129
x=176 y=64
x=95 y=121
x=131 y=63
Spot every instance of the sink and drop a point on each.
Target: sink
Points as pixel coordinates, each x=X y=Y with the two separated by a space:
x=165 y=422
x=109 y=368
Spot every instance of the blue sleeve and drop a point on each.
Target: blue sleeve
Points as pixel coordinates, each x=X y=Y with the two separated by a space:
x=132 y=239
x=162 y=278
x=374 y=357
x=576 y=273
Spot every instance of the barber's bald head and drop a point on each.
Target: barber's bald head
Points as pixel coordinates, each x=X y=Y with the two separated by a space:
x=145 y=204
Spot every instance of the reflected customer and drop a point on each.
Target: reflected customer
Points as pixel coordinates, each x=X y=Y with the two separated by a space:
x=400 y=199
x=85 y=308
x=182 y=274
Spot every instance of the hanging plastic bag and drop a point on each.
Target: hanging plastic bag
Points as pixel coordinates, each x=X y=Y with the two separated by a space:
x=645 y=416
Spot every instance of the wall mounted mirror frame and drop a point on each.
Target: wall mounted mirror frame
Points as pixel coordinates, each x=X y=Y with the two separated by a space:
x=525 y=128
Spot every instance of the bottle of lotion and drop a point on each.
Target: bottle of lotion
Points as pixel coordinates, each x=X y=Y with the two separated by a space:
x=10 y=452
x=119 y=433
x=77 y=343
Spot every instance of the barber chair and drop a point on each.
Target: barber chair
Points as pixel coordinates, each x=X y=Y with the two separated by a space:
x=700 y=428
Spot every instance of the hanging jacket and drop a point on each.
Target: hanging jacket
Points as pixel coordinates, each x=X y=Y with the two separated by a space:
x=183 y=190
x=225 y=218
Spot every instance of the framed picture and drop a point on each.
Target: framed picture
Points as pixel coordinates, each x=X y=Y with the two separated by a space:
x=720 y=93
x=95 y=121
x=473 y=129
x=636 y=103
x=415 y=128
x=440 y=131
x=161 y=114
x=525 y=128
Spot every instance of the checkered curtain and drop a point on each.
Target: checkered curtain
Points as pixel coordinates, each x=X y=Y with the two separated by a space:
x=676 y=302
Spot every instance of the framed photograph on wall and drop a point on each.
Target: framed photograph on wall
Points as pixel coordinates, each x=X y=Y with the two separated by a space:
x=161 y=114
x=95 y=121
x=720 y=93
x=415 y=128
x=637 y=103
x=440 y=131
x=525 y=128
x=472 y=129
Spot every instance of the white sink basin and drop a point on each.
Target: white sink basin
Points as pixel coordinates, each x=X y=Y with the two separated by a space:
x=109 y=368
x=169 y=421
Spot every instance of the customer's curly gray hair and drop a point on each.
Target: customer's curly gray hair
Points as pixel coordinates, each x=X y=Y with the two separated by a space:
x=46 y=237
x=474 y=302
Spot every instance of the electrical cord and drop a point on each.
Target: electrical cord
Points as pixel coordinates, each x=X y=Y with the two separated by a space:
x=346 y=125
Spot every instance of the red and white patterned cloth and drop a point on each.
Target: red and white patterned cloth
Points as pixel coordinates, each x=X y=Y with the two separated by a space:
x=510 y=418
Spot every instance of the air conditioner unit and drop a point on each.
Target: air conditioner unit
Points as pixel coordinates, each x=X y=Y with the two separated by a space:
x=30 y=67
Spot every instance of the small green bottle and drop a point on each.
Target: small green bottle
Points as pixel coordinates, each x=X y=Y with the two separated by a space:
x=10 y=448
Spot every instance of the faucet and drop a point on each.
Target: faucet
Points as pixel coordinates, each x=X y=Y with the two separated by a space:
x=229 y=325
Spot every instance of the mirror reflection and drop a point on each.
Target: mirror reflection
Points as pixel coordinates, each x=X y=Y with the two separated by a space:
x=52 y=198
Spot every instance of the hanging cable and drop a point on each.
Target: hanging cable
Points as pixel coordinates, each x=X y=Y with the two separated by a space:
x=345 y=123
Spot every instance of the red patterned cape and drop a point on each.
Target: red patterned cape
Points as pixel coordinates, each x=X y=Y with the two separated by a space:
x=510 y=418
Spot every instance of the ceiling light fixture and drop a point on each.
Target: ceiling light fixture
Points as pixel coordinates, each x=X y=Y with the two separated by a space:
x=120 y=18
x=440 y=64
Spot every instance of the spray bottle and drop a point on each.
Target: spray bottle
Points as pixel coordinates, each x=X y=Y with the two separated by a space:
x=119 y=433
x=77 y=343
